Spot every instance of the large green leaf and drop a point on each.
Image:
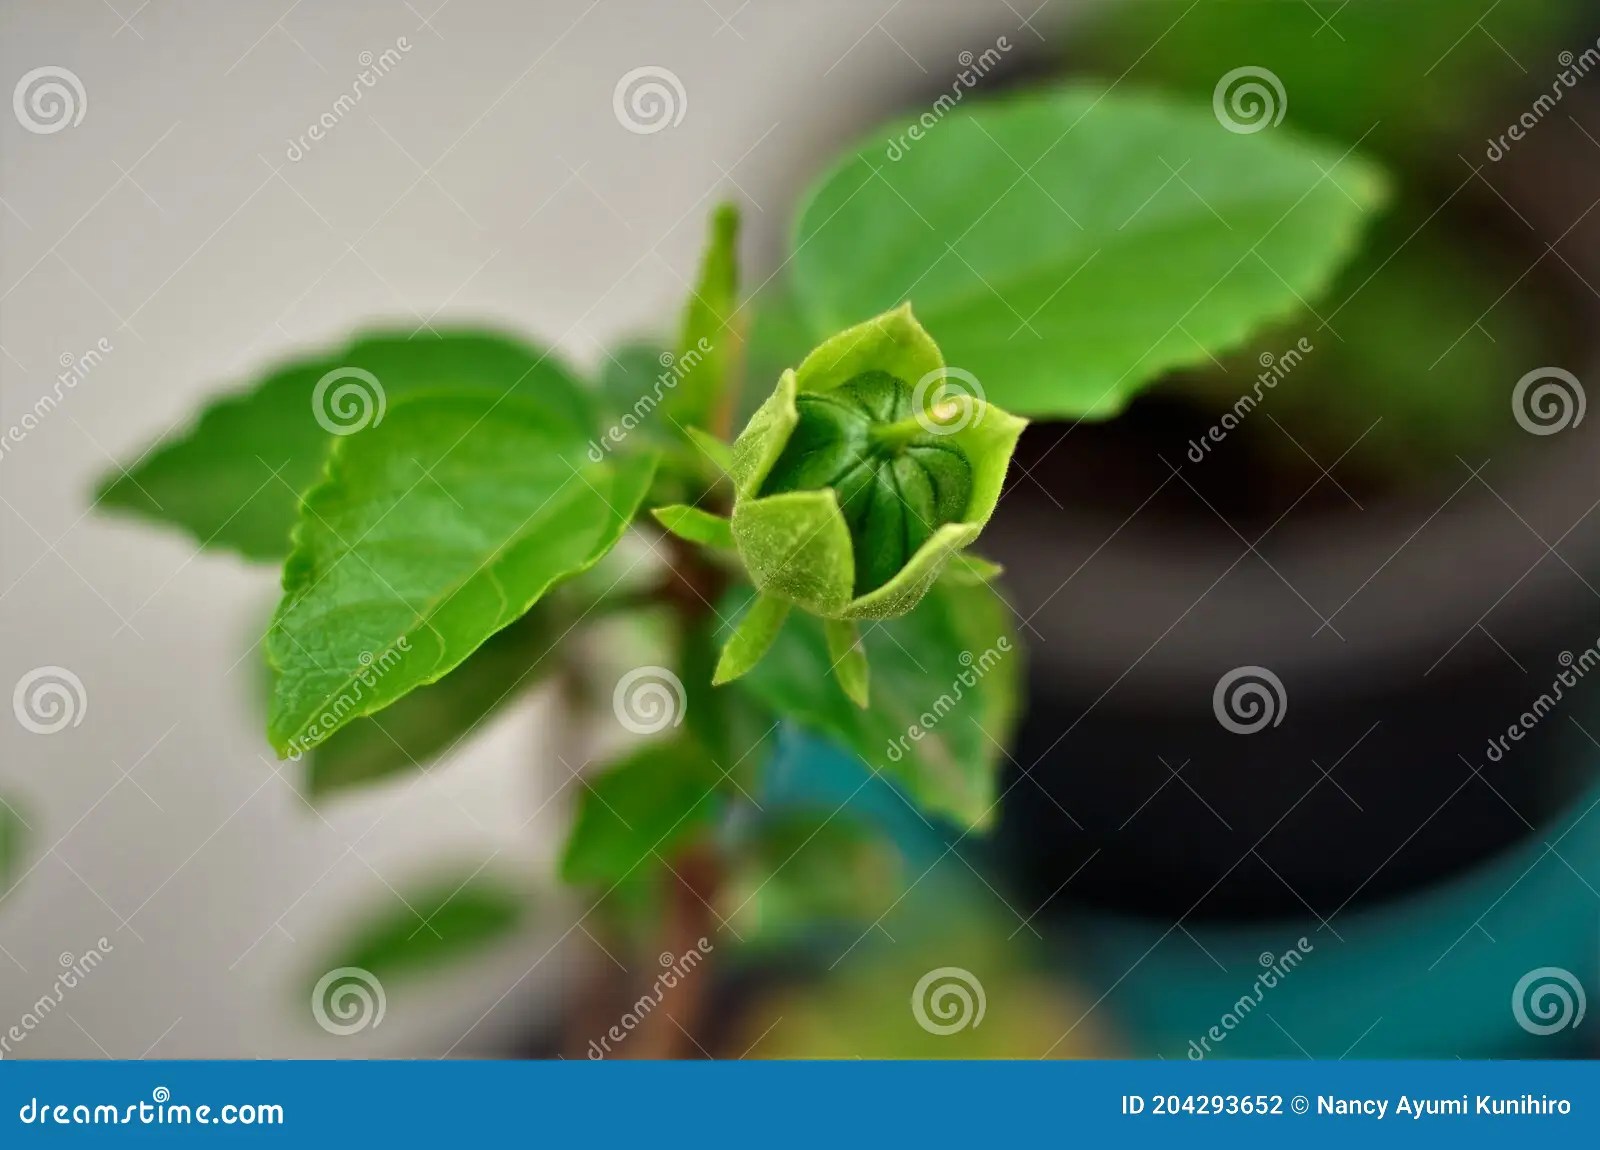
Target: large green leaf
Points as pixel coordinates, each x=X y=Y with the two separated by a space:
x=945 y=689
x=430 y=533
x=1066 y=248
x=442 y=921
x=234 y=479
x=433 y=719
x=639 y=810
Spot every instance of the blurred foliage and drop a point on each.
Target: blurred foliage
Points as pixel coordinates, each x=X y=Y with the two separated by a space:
x=13 y=837
x=1401 y=76
x=444 y=920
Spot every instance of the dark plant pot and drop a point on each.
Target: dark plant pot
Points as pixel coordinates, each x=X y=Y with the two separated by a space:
x=1448 y=617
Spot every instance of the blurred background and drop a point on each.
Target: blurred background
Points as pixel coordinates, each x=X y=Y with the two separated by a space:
x=1413 y=563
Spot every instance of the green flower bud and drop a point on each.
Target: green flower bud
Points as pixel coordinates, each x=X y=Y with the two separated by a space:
x=863 y=474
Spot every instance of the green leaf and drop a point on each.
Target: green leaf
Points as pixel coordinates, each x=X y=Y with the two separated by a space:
x=235 y=478
x=849 y=659
x=969 y=570
x=1067 y=248
x=693 y=525
x=752 y=638
x=430 y=533
x=708 y=349
x=718 y=453
x=13 y=840
x=946 y=682
x=806 y=867
x=640 y=811
x=433 y=719
x=444 y=921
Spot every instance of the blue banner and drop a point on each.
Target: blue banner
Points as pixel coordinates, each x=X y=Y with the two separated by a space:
x=708 y=1105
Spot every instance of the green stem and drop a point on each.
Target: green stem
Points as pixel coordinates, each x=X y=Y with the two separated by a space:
x=894 y=436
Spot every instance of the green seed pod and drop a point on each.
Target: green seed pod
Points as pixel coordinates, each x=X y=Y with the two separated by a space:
x=865 y=471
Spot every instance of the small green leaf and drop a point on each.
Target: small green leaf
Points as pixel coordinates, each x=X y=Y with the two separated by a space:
x=1145 y=237
x=444 y=921
x=806 y=868
x=234 y=480
x=969 y=570
x=639 y=811
x=945 y=691
x=433 y=719
x=13 y=840
x=752 y=638
x=430 y=533
x=849 y=659
x=708 y=349
x=693 y=525
x=717 y=452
